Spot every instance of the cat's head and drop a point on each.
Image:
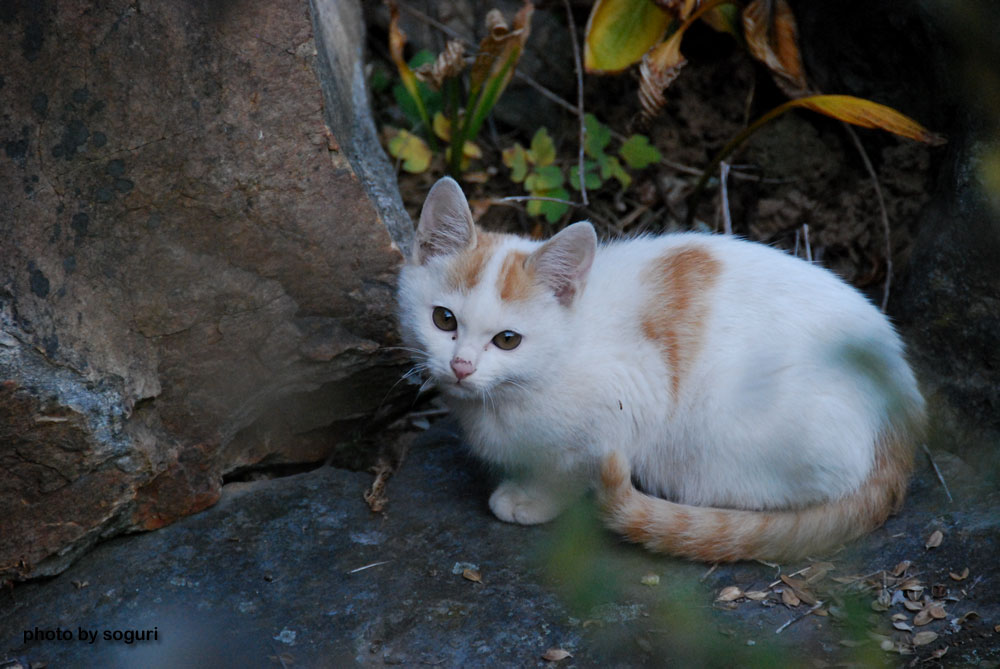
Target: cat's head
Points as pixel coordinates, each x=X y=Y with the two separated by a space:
x=489 y=312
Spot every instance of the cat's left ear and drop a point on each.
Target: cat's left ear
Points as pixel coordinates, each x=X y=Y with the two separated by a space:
x=446 y=225
x=563 y=262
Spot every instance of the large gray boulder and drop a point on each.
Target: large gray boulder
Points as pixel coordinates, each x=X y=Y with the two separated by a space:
x=198 y=249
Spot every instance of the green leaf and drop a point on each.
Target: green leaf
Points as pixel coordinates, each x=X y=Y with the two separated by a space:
x=544 y=178
x=612 y=169
x=411 y=110
x=516 y=158
x=598 y=137
x=552 y=211
x=412 y=150
x=619 y=32
x=591 y=179
x=543 y=151
x=638 y=153
x=422 y=57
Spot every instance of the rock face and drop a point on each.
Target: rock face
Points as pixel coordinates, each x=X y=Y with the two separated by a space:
x=197 y=257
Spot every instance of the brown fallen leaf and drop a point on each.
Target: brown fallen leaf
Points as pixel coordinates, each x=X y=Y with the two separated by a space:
x=969 y=615
x=939 y=653
x=937 y=611
x=755 y=595
x=934 y=540
x=472 y=575
x=911 y=584
x=788 y=598
x=911 y=605
x=729 y=594
x=817 y=571
x=923 y=617
x=924 y=638
x=900 y=625
x=959 y=577
x=901 y=568
x=939 y=591
x=900 y=616
x=555 y=655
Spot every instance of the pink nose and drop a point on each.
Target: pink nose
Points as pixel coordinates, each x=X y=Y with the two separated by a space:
x=462 y=368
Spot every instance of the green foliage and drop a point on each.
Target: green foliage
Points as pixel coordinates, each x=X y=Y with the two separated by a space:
x=538 y=167
x=430 y=99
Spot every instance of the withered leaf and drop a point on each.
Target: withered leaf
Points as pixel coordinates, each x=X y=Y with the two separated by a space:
x=788 y=598
x=818 y=570
x=555 y=655
x=923 y=617
x=911 y=605
x=729 y=594
x=901 y=568
x=472 y=575
x=934 y=540
x=900 y=625
x=967 y=616
x=937 y=611
x=772 y=38
x=900 y=616
x=924 y=638
x=755 y=595
x=939 y=653
x=939 y=591
x=959 y=577
x=799 y=587
x=911 y=584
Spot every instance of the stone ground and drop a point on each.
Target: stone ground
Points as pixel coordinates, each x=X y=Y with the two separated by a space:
x=298 y=572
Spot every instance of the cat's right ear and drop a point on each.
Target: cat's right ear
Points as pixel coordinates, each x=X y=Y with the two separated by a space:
x=446 y=225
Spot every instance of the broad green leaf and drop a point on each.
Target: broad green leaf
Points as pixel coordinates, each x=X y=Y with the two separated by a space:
x=638 y=153
x=598 y=136
x=517 y=160
x=612 y=169
x=542 y=178
x=591 y=179
x=619 y=32
x=543 y=151
x=410 y=149
x=552 y=211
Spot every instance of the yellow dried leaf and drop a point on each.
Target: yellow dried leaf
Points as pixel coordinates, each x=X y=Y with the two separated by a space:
x=901 y=568
x=911 y=605
x=555 y=655
x=937 y=536
x=619 y=32
x=937 y=611
x=729 y=594
x=788 y=598
x=818 y=570
x=959 y=577
x=924 y=638
x=901 y=625
x=472 y=575
x=911 y=584
x=449 y=63
x=772 y=38
x=755 y=595
x=899 y=616
x=868 y=114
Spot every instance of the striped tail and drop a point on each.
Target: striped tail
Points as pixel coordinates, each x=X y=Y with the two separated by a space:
x=725 y=535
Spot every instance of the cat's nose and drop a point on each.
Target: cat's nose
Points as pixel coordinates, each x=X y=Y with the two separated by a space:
x=462 y=368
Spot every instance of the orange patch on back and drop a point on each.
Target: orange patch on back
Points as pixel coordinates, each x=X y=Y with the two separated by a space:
x=467 y=269
x=515 y=281
x=683 y=279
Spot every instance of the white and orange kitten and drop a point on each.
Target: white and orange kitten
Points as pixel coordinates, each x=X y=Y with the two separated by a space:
x=762 y=405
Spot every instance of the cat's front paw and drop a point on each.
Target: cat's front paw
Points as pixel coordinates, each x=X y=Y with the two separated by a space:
x=515 y=502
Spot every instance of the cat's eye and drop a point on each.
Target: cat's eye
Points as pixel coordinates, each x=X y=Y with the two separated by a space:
x=444 y=319
x=507 y=340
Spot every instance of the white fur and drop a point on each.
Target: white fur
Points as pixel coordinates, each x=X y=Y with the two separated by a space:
x=772 y=414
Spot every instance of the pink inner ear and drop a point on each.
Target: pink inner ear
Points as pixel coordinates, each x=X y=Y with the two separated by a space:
x=446 y=225
x=564 y=261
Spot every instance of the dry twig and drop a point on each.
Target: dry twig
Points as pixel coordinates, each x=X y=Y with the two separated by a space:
x=579 y=99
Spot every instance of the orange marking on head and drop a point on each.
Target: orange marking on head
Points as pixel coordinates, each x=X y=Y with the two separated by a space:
x=683 y=279
x=467 y=268
x=516 y=281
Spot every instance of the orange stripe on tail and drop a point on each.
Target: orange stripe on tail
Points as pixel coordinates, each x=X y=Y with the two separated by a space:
x=725 y=535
